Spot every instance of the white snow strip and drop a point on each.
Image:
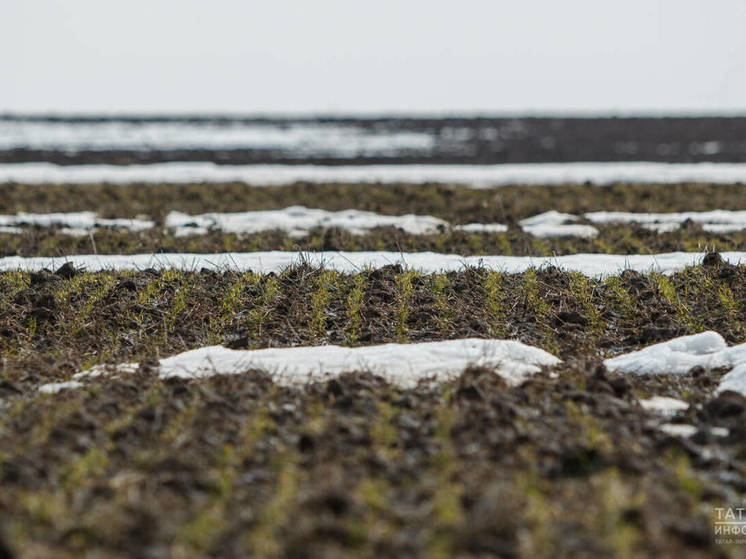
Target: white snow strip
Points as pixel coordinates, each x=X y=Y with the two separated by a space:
x=664 y=405
x=735 y=380
x=661 y=227
x=676 y=356
x=73 y=221
x=481 y=228
x=556 y=224
x=475 y=176
x=591 y=265
x=568 y=230
x=302 y=139
x=101 y=370
x=723 y=227
x=678 y=429
x=74 y=231
x=55 y=387
x=299 y=221
x=685 y=431
x=680 y=355
x=552 y=217
x=715 y=221
x=402 y=364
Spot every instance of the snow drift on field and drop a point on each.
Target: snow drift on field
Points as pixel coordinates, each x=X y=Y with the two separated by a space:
x=556 y=224
x=592 y=265
x=664 y=405
x=678 y=356
x=55 y=387
x=75 y=221
x=299 y=221
x=481 y=228
x=475 y=176
x=716 y=221
x=401 y=364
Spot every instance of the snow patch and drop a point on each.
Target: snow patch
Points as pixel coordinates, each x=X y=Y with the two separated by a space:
x=678 y=429
x=298 y=221
x=735 y=380
x=55 y=387
x=72 y=222
x=678 y=356
x=566 y=230
x=715 y=221
x=475 y=176
x=664 y=405
x=552 y=217
x=481 y=228
x=685 y=431
x=401 y=364
x=556 y=224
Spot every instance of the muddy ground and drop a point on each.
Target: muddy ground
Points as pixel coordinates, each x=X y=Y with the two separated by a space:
x=457 y=140
x=505 y=204
x=611 y=240
x=566 y=465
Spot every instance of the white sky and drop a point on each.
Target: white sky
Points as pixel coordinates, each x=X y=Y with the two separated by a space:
x=259 y=56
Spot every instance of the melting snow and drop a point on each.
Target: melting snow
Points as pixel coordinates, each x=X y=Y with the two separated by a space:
x=74 y=222
x=680 y=355
x=676 y=356
x=716 y=221
x=592 y=265
x=55 y=387
x=664 y=405
x=476 y=176
x=481 y=228
x=298 y=221
x=402 y=364
x=678 y=429
x=685 y=430
x=556 y=224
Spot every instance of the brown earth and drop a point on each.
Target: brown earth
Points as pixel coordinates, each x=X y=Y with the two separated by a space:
x=567 y=464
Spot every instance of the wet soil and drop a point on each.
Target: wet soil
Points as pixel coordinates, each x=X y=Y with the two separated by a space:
x=453 y=203
x=567 y=464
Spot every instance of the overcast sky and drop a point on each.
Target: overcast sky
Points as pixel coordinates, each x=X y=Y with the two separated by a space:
x=377 y=56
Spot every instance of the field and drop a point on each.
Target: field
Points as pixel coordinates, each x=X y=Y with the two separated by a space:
x=565 y=464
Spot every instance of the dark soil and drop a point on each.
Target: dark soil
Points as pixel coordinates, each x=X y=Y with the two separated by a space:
x=54 y=323
x=236 y=466
x=566 y=465
x=455 y=204
x=611 y=240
